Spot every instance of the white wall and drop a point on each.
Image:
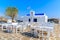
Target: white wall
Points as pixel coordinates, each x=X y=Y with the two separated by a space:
x=40 y=18
x=9 y=21
x=46 y=19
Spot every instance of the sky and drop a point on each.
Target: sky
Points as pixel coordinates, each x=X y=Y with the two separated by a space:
x=50 y=7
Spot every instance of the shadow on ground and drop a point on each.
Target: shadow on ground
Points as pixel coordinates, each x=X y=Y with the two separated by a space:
x=29 y=34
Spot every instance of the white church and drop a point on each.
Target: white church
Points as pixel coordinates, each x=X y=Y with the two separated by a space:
x=35 y=17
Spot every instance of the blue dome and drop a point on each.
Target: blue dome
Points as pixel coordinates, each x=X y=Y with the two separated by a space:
x=28 y=14
x=39 y=14
x=36 y=14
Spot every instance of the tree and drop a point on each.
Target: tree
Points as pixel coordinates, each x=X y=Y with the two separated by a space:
x=12 y=12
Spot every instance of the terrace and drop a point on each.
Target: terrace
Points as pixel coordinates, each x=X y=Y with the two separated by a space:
x=25 y=30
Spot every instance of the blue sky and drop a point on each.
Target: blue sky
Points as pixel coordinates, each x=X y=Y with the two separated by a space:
x=50 y=7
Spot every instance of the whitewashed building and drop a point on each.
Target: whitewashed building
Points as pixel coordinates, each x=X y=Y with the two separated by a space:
x=35 y=17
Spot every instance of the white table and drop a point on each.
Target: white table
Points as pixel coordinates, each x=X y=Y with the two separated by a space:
x=13 y=25
x=43 y=28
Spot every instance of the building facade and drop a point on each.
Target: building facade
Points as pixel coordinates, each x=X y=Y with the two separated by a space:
x=35 y=17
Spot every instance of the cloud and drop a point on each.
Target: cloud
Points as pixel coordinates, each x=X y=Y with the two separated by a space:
x=28 y=7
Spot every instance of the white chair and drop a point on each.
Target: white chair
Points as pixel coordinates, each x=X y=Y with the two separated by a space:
x=4 y=25
x=16 y=28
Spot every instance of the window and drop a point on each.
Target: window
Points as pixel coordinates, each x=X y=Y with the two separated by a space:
x=29 y=20
x=35 y=20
